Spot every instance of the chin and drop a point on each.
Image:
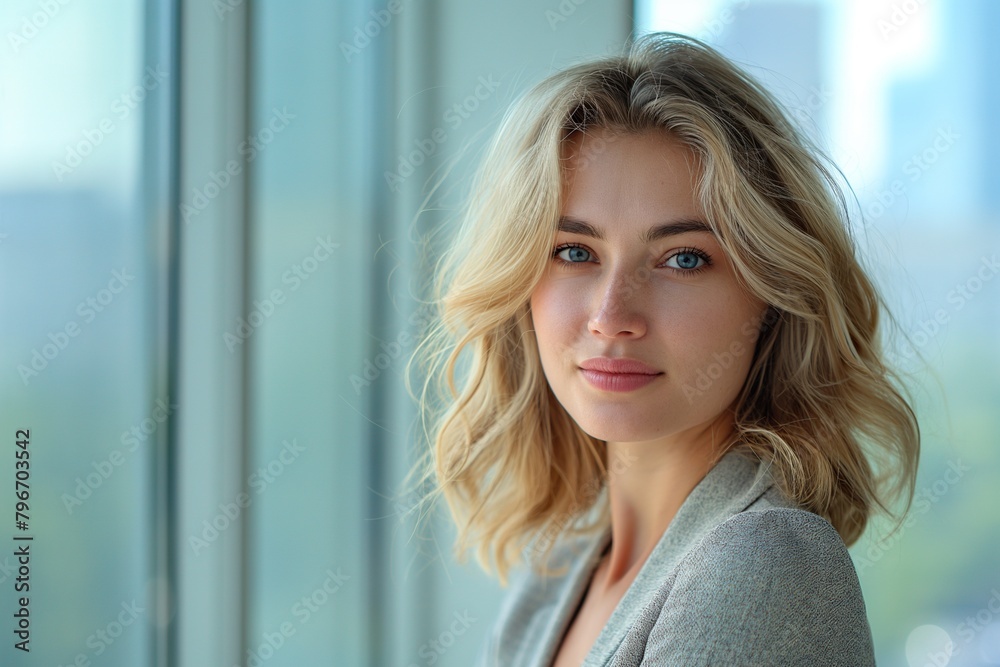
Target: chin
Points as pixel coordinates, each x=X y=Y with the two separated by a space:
x=617 y=430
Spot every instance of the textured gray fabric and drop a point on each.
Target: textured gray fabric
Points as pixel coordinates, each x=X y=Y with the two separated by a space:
x=741 y=576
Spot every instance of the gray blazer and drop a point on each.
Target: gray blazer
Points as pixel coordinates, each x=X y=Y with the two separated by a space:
x=741 y=576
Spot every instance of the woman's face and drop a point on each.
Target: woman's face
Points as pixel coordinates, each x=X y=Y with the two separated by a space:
x=633 y=276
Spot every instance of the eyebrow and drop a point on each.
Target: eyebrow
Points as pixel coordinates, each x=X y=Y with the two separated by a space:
x=682 y=226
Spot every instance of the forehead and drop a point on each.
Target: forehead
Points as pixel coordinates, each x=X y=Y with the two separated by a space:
x=651 y=173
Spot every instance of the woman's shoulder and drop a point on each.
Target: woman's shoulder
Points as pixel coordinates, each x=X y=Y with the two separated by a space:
x=769 y=543
x=772 y=583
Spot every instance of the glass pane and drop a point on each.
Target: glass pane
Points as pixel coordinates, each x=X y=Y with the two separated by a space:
x=78 y=331
x=309 y=229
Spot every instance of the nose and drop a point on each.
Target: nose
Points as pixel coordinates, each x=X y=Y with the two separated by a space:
x=618 y=307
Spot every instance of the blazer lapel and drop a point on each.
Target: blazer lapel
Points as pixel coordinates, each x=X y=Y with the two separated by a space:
x=583 y=561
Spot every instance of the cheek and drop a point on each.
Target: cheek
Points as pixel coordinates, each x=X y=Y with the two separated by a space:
x=554 y=317
x=550 y=309
x=713 y=341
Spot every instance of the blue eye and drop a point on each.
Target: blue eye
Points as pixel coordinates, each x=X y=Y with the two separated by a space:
x=687 y=260
x=577 y=254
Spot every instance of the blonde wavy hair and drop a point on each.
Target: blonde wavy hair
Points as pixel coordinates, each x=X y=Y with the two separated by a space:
x=820 y=402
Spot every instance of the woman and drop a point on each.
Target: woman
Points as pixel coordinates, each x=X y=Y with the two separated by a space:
x=675 y=407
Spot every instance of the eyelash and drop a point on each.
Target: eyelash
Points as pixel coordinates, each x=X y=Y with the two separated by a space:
x=683 y=251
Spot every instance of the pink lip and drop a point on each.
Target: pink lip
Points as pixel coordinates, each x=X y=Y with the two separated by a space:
x=618 y=374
